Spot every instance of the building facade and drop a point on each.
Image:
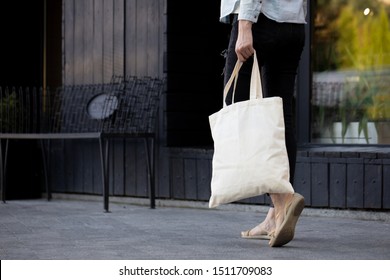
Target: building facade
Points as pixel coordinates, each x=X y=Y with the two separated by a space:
x=342 y=96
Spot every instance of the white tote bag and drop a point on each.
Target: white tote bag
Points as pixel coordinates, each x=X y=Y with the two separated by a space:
x=250 y=156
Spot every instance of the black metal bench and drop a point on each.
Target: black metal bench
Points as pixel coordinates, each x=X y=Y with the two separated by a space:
x=126 y=108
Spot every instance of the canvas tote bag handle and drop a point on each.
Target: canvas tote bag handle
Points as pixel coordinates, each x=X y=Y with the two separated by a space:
x=256 y=91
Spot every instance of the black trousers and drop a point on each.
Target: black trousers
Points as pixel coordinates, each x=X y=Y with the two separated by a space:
x=279 y=47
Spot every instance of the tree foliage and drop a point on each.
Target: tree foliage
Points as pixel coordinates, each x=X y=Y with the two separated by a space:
x=346 y=38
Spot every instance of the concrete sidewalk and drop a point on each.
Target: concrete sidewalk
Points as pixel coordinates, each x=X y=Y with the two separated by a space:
x=74 y=229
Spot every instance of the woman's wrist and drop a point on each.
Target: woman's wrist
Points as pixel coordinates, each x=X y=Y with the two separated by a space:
x=245 y=25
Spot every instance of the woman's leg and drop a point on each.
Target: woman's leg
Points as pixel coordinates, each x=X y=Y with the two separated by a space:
x=265 y=228
x=279 y=48
x=279 y=55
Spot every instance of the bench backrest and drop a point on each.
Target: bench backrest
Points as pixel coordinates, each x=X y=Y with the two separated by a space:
x=127 y=105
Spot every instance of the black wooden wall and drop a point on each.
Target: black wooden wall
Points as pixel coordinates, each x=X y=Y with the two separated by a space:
x=344 y=177
x=75 y=167
x=328 y=177
x=340 y=179
x=102 y=38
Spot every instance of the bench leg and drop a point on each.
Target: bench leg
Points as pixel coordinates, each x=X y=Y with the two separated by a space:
x=151 y=167
x=104 y=150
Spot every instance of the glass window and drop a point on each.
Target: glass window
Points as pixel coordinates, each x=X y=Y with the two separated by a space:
x=351 y=72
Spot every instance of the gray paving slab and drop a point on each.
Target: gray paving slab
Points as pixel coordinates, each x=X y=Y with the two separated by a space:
x=81 y=230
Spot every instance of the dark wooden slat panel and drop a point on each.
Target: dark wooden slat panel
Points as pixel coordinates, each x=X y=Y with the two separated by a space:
x=89 y=149
x=108 y=40
x=111 y=168
x=204 y=178
x=56 y=165
x=97 y=50
x=118 y=34
x=302 y=181
x=162 y=36
x=69 y=42
x=76 y=175
x=141 y=169
x=163 y=174
x=68 y=166
x=373 y=184
x=190 y=179
x=386 y=183
x=355 y=181
x=97 y=179
x=88 y=41
x=130 y=168
x=119 y=167
x=177 y=178
x=153 y=30
x=319 y=183
x=131 y=37
x=337 y=184
x=142 y=38
x=79 y=168
x=79 y=42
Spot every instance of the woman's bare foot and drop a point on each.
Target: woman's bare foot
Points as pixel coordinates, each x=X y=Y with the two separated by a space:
x=286 y=216
x=264 y=229
x=280 y=201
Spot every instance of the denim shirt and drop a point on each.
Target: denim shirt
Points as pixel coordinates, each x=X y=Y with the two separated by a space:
x=293 y=11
